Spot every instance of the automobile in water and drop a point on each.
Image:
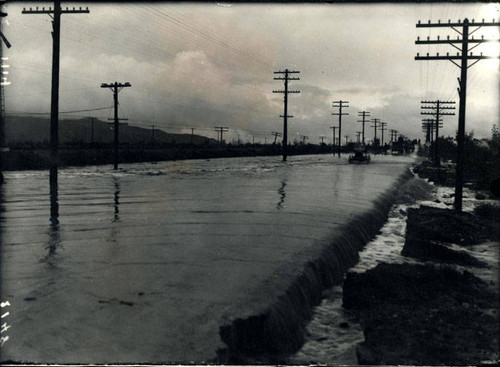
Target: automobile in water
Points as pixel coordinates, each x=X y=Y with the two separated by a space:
x=360 y=155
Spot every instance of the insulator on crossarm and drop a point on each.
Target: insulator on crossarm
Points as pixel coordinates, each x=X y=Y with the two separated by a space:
x=419 y=22
x=418 y=54
x=449 y=20
x=438 y=38
x=447 y=54
x=37 y=8
x=447 y=37
x=429 y=22
x=472 y=20
x=483 y=20
x=437 y=54
x=427 y=38
x=427 y=54
x=418 y=38
x=482 y=37
x=439 y=21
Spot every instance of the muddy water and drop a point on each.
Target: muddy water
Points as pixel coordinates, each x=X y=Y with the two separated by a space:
x=145 y=264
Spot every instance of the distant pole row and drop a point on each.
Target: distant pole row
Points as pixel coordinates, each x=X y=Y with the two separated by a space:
x=437 y=109
x=463 y=56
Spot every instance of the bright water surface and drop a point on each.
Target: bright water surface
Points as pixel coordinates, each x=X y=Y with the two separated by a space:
x=148 y=262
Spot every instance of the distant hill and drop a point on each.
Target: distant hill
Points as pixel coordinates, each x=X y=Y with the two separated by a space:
x=29 y=129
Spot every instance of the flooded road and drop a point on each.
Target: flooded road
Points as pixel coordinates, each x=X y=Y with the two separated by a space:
x=146 y=263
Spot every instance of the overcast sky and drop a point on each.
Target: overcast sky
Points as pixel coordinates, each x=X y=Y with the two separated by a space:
x=201 y=65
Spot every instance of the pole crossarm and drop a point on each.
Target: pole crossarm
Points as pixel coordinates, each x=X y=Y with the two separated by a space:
x=449 y=41
x=49 y=10
x=493 y=23
x=457 y=57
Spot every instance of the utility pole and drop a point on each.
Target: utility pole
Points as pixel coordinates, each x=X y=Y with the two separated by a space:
x=303 y=137
x=428 y=128
x=322 y=137
x=275 y=134
x=54 y=104
x=116 y=88
x=220 y=130
x=192 y=134
x=464 y=56
x=382 y=129
x=437 y=108
x=339 y=105
x=333 y=144
x=363 y=115
x=285 y=116
x=375 y=125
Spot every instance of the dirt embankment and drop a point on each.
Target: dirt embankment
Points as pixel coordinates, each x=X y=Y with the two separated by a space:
x=435 y=313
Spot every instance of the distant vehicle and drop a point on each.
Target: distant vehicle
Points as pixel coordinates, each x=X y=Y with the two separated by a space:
x=360 y=155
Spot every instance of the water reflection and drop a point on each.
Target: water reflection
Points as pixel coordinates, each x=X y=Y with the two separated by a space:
x=54 y=204
x=281 y=191
x=117 y=200
x=54 y=233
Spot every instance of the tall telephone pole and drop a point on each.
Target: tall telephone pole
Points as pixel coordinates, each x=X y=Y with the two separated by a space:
x=363 y=115
x=285 y=116
x=54 y=104
x=275 y=134
x=333 y=141
x=375 y=126
x=116 y=88
x=220 y=130
x=339 y=105
x=438 y=108
x=464 y=55
x=382 y=129
x=428 y=128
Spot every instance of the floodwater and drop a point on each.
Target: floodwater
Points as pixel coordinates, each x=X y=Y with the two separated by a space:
x=146 y=263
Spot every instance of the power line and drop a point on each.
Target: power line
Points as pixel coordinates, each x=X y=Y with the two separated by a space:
x=464 y=55
x=61 y=113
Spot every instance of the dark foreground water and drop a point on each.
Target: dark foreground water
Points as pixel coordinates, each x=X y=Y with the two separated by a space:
x=148 y=262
